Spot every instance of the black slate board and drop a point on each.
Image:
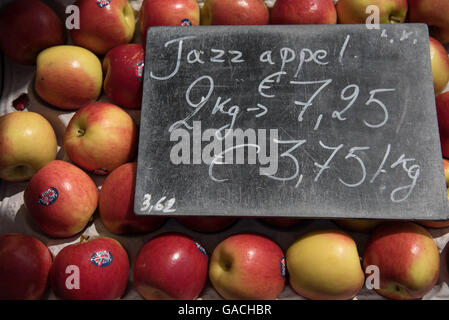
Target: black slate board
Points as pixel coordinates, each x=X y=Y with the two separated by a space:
x=379 y=158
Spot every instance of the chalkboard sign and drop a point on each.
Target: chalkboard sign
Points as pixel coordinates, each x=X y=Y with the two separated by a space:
x=290 y=121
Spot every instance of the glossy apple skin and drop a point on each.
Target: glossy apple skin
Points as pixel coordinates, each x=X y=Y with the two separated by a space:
x=101 y=137
x=325 y=265
x=442 y=103
x=96 y=282
x=234 y=12
x=103 y=27
x=434 y=13
x=440 y=65
x=25 y=264
x=27 y=143
x=171 y=266
x=354 y=11
x=281 y=222
x=303 y=12
x=66 y=214
x=407 y=257
x=26 y=28
x=358 y=225
x=123 y=70
x=206 y=224
x=247 y=267
x=168 y=13
x=116 y=203
x=68 y=77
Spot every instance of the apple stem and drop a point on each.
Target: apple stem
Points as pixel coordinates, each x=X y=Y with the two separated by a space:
x=394 y=19
x=84 y=238
x=81 y=132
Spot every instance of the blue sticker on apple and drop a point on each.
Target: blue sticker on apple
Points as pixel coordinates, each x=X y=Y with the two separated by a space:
x=139 y=70
x=200 y=247
x=49 y=196
x=101 y=258
x=283 y=267
x=185 y=23
x=103 y=3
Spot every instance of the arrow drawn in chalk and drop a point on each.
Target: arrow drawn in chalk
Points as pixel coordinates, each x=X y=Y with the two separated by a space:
x=259 y=107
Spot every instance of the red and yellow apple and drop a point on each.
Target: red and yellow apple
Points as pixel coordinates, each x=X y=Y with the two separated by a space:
x=25 y=264
x=440 y=65
x=325 y=265
x=442 y=104
x=68 y=77
x=303 y=12
x=103 y=25
x=101 y=137
x=358 y=225
x=116 y=203
x=354 y=11
x=234 y=12
x=434 y=13
x=61 y=198
x=123 y=69
x=27 y=143
x=206 y=224
x=168 y=13
x=90 y=270
x=26 y=28
x=171 y=266
x=407 y=257
x=248 y=266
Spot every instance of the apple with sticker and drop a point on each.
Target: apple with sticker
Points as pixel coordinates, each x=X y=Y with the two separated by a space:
x=95 y=269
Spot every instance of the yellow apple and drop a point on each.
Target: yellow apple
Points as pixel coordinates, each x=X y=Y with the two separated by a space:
x=27 y=143
x=68 y=77
x=325 y=264
x=440 y=65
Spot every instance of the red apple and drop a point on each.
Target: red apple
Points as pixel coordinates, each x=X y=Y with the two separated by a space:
x=25 y=264
x=407 y=257
x=103 y=24
x=442 y=103
x=101 y=137
x=206 y=224
x=171 y=266
x=26 y=28
x=440 y=65
x=116 y=203
x=303 y=12
x=94 y=270
x=61 y=198
x=282 y=222
x=234 y=12
x=434 y=13
x=123 y=68
x=248 y=266
x=355 y=11
x=168 y=13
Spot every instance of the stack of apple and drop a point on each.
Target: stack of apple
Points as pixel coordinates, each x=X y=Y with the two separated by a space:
x=101 y=139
